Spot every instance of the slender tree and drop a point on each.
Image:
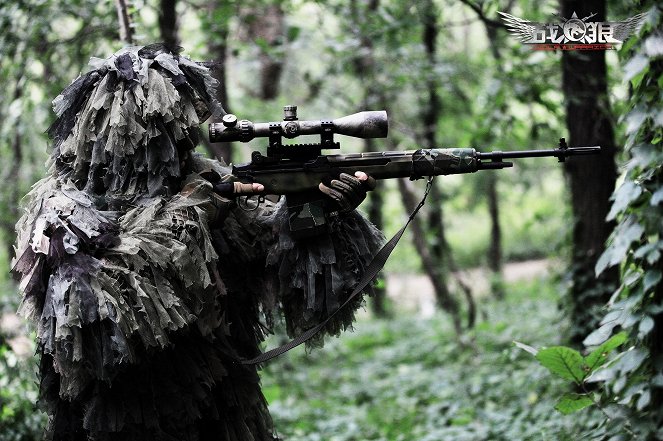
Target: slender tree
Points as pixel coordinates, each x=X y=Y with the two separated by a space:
x=490 y=181
x=263 y=24
x=125 y=22
x=168 y=23
x=431 y=112
x=444 y=297
x=363 y=66
x=216 y=24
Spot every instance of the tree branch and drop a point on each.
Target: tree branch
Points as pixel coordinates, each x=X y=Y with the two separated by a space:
x=482 y=15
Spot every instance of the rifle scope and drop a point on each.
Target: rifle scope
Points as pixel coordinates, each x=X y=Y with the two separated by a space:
x=367 y=124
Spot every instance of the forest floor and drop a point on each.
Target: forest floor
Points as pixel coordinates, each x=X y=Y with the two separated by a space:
x=414 y=292
x=409 y=377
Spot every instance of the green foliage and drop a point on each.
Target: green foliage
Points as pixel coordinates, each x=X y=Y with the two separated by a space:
x=44 y=45
x=569 y=364
x=627 y=386
x=564 y=362
x=570 y=403
x=633 y=379
x=19 y=420
x=405 y=379
x=408 y=379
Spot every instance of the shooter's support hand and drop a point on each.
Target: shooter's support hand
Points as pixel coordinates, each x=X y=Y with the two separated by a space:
x=347 y=192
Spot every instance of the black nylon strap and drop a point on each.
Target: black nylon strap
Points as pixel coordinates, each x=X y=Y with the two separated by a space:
x=371 y=272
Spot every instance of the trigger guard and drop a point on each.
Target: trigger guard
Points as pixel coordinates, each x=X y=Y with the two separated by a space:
x=245 y=204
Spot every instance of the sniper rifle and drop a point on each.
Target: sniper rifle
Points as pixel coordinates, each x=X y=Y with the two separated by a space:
x=295 y=170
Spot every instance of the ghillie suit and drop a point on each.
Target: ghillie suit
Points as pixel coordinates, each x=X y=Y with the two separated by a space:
x=144 y=285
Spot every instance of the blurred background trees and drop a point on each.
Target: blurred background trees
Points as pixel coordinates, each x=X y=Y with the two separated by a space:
x=449 y=75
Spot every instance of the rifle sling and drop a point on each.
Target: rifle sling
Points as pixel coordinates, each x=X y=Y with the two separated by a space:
x=371 y=272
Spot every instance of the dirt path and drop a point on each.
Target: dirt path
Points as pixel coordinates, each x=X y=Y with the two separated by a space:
x=414 y=292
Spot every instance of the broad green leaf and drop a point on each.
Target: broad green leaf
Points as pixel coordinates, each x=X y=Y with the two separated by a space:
x=564 y=362
x=644 y=400
x=601 y=334
x=645 y=327
x=631 y=360
x=657 y=197
x=604 y=261
x=652 y=277
x=654 y=46
x=650 y=251
x=632 y=276
x=605 y=373
x=634 y=66
x=599 y=356
x=625 y=233
x=570 y=403
x=293 y=33
x=624 y=195
x=526 y=348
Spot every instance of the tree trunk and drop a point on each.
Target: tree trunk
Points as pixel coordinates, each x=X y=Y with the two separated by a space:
x=431 y=111
x=267 y=25
x=217 y=26
x=168 y=26
x=364 y=69
x=430 y=114
x=589 y=122
x=124 y=21
x=13 y=190
x=375 y=204
x=495 y=247
x=446 y=301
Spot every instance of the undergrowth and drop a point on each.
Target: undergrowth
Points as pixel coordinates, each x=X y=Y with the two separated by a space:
x=408 y=378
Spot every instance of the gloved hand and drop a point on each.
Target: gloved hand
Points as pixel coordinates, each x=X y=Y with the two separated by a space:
x=347 y=192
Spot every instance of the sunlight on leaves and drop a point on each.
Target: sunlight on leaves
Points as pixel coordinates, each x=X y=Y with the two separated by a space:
x=564 y=362
x=570 y=403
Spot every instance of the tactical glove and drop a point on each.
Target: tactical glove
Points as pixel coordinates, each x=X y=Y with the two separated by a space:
x=347 y=192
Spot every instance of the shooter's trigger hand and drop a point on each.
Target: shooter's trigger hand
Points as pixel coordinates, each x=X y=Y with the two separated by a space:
x=347 y=192
x=232 y=189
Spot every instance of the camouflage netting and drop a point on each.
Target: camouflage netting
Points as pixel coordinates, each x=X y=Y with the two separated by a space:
x=145 y=287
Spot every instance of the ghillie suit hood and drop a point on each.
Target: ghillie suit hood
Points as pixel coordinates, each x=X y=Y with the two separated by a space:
x=142 y=296
x=124 y=130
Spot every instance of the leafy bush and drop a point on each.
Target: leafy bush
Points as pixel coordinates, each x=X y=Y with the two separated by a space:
x=629 y=387
x=19 y=419
x=409 y=379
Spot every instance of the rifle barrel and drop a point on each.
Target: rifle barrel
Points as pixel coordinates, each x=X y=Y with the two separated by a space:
x=559 y=153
